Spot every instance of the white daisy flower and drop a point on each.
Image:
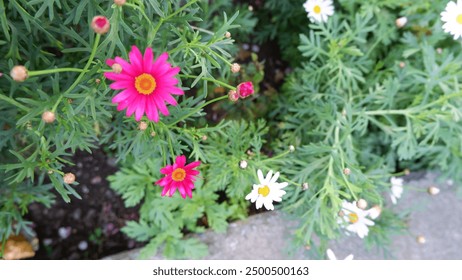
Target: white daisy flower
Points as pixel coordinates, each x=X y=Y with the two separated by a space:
x=319 y=10
x=331 y=256
x=355 y=219
x=396 y=189
x=267 y=191
x=452 y=18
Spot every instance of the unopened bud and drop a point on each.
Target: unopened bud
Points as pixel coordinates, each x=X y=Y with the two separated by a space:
x=439 y=50
x=100 y=24
x=407 y=171
x=402 y=64
x=153 y=133
x=204 y=137
x=235 y=67
x=375 y=211
x=307 y=247
x=421 y=239
x=433 y=190
x=97 y=81
x=119 y=2
x=347 y=171
x=361 y=203
x=401 y=22
x=250 y=8
x=117 y=68
x=48 y=117
x=305 y=186
x=142 y=126
x=50 y=172
x=233 y=96
x=341 y=213
x=19 y=73
x=291 y=148
x=69 y=178
x=245 y=89
x=227 y=34
x=243 y=164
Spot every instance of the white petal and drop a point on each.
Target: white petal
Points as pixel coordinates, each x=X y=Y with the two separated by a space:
x=349 y=257
x=259 y=203
x=269 y=205
x=275 y=178
x=331 y=255
x=260 y=176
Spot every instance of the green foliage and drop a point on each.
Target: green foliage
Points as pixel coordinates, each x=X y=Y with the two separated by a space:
x=373 y=99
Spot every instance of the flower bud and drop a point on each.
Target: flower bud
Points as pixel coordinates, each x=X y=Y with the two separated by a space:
x=347 y=171
x=361 y=203
x=245 y=89
x=227 y=34
x=117 y=68
x=233 y=96
x=48 y=117
x=421 y=239
x=69 y=178
x=439 y=50
x=19 y=73
x=204 y=137
x=243 y=164
x=291 y=148
x=119 y=2
x=433 y=190
x=401 y=22
x=305 y=186
x=402 y=64
x=341 y=213
x=407 y=171
x=100 y=24
x=235 y=67
x=153 y=133
x=142 y=126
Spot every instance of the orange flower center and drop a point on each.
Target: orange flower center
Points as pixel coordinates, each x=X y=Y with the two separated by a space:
x=353 y=218
x=178 y=175
x=264 y=191
x=145 y=83
x=317 y=9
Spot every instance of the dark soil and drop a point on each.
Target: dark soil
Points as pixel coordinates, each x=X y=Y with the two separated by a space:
x=87 y=228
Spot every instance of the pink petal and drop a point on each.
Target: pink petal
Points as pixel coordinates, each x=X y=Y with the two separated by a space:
x=167 y=169
x=176 y=91
x=121 y=85
x=147 y=60
x=121 y=96
x=193 y=164
x=160 y=61
x=165 y=191
x=140 y=108
x=161 y=106
x=182 y=190
x=117 y=77
x=110 y=62
x=180 y=161
x=136 y=59
x=151 y=110
x=127 y=68
x=172 y=189
x=132 y=107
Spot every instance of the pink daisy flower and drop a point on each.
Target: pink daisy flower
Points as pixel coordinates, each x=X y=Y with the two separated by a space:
x=146 y=84
x=179 y=176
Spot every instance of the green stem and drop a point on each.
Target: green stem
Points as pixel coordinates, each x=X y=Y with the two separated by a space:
x=198 y=109
x=13 y=102
x=85 y=69
x=210 y=80
x=276 y=157
x=139 y=9
x=51 y=71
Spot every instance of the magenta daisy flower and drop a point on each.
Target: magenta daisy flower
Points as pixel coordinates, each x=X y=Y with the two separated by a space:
x=146 y=84
x=179 y=176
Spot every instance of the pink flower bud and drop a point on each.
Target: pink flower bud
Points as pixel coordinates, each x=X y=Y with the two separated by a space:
x=233 y=96
x=235 y=67
x=245 y=89
x=119 y=2
x=100 y=24
x=19 y=73
x=48 y=117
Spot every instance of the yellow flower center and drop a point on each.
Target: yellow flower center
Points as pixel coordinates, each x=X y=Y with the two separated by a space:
x=145 y=83
x=353 y=218
x=317 y=9
x=459 y=19
x=178 y=175
x=264 y=191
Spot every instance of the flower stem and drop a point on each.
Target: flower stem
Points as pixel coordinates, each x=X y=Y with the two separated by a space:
x=198 y=109
x=51 y=71
x=85 y=69
x=210 y=80
x=13 y=102
x=276 y=157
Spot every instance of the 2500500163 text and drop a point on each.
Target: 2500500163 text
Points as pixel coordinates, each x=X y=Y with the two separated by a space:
x=277 y=270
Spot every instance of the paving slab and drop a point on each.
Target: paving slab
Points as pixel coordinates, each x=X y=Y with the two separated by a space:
x=268 y=235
